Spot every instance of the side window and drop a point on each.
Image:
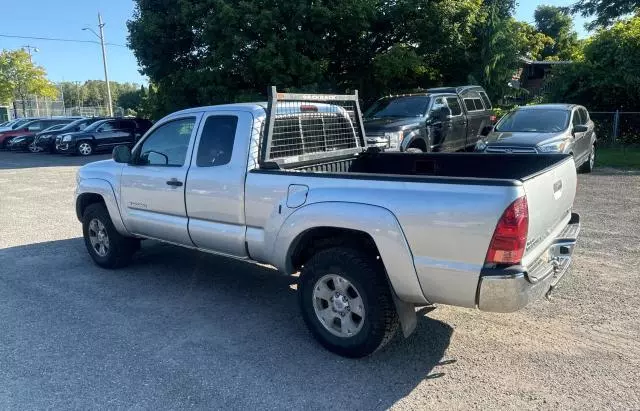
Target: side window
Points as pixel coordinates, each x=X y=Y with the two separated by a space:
x=478 y=103
x=454 y=105
x=126 y=125
x=469 y=104
x=485 y=100
x=37 y=126
x=438 y=103
x=216 y=141
x=585 y=116
x=168 y=144
x=108 y=126
x=576 y=118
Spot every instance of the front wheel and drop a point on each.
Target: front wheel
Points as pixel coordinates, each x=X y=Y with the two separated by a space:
x=106 y=246
x=84 y=148
x=590 y=163
x=346 y=302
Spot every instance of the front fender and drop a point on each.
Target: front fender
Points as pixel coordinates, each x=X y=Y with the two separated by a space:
x=103 y=188
x=376 y=221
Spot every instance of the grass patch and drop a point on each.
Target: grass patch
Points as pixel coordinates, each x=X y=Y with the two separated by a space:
x=618 y=157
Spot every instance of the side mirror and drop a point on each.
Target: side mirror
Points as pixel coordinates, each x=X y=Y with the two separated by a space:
x=444 y=113
x=580 y=128
x=121 y=154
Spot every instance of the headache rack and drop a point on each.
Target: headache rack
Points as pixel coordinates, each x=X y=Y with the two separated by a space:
x=304 y=128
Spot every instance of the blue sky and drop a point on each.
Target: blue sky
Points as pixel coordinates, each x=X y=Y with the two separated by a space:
x=82 y=61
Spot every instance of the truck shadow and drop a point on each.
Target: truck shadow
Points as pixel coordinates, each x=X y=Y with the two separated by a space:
x=19 y=160
x=223 y=325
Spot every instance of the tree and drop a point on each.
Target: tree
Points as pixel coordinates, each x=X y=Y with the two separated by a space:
x=608 y=77
x=556 y=23
x=605 y=11
x=20 y=79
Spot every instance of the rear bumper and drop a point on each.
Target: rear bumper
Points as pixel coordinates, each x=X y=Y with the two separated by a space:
x=510 y=289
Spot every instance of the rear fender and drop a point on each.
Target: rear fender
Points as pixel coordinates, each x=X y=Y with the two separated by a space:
x=377 y=222
x=96 y=186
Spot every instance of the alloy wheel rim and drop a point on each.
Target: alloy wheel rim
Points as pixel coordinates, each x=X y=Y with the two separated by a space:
x=33 y=148
x=85 y=149
x=98 y=237
x=338 y=305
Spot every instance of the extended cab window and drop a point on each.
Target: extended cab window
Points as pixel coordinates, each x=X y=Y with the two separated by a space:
x=216 y=141
x=454 y=105
x=485 y=100
x=168 y=144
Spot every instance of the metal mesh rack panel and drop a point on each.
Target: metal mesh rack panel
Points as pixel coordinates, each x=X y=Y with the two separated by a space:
x=306 y=127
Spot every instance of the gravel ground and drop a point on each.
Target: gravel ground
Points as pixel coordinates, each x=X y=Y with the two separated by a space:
x=180 y=329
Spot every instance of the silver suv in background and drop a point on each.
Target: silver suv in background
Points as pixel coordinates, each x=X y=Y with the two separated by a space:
x=545 y=129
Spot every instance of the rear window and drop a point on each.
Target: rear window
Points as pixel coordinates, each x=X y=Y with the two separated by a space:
x=478 y=103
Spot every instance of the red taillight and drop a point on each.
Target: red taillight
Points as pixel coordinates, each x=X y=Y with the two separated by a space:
x=308 y=107
x=510 y=237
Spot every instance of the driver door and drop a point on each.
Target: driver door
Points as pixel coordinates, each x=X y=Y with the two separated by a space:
x=152 y=188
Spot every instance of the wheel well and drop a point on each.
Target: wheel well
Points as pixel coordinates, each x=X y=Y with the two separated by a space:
x=84 y=201
x=313 y=240
x=418 y=143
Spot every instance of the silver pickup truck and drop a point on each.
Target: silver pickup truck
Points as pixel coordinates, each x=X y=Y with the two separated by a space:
x=291 y=183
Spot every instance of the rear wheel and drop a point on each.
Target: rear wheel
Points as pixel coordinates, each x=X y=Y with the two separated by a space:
x=33 y=148
x=84 y=148
x=346 y=302
x=106 y=246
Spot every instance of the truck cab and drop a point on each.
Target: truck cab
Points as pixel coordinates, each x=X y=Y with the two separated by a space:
x=445 y=119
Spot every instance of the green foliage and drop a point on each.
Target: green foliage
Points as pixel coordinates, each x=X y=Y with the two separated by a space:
x=556 y=23
x=605 y=11
x=93 y=93
x=608 y=78
x=20 y=78
x=199 y=52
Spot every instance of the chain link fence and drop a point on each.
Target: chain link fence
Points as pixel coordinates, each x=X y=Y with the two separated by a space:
x=617 y=127
x=48 y=108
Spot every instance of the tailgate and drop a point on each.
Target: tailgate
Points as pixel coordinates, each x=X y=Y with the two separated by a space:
x=550 y=196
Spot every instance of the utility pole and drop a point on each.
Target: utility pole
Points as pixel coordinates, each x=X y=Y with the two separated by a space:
x=29 y=50
x=104 y=61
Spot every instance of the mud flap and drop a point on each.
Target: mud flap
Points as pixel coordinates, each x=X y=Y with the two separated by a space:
x=406 y=315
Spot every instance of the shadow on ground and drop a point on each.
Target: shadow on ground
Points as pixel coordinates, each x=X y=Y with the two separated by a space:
x=16 y=160
x=181 y=329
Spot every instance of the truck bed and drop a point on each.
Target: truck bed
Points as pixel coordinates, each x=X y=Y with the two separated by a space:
x=464 y=166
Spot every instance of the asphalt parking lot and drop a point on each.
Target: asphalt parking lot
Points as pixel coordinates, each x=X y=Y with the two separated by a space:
x=179 y=329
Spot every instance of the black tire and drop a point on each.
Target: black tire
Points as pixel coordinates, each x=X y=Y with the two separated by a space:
x=380 y=320
x=82 y=151
x=120 y=248
x=588 y=165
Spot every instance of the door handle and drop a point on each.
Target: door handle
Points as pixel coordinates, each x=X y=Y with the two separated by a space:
x=174 y=182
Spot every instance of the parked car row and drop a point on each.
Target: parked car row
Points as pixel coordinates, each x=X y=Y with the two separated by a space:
x=71 y=135
x=453 y=119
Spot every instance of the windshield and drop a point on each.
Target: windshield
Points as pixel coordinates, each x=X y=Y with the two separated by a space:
x=79 y=124
x=534 y=121
x=94 y=126
x=20 y=123
x=56 y=127
x=410 y=106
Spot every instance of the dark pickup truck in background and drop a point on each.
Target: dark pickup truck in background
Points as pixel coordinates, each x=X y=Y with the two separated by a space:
x=441 y=119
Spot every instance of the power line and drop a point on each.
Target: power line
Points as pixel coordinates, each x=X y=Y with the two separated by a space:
x=58 y=39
